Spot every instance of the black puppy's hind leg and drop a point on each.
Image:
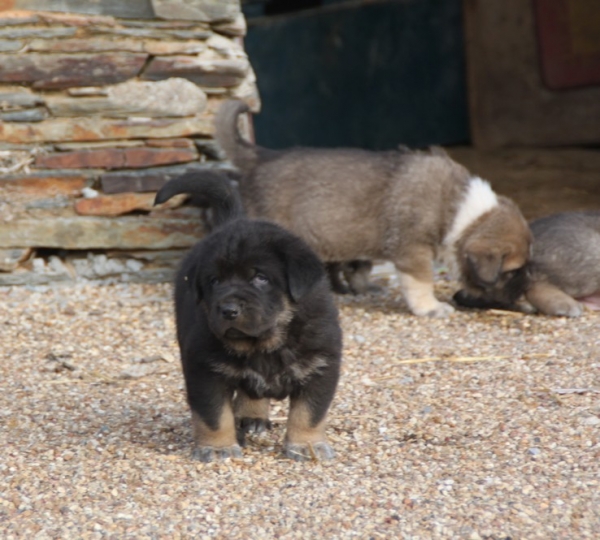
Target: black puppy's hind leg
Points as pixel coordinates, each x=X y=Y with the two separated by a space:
x=251 y=415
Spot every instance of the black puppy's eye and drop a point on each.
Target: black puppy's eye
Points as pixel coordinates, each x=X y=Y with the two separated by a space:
x=260 y=279
x=214 y=281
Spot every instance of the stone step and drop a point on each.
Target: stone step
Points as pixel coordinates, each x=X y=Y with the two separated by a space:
x=83 y=232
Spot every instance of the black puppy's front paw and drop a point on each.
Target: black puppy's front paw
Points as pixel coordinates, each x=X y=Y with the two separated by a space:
x=206 y=454
x=319 y=451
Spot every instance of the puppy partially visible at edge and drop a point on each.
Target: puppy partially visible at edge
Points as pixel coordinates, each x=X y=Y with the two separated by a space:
x=564 y=267
x=255 y=321
x=401 y=206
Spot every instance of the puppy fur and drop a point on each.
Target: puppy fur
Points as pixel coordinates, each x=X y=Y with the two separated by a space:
x=564 y=268
x=402 y=206
x=255 y=321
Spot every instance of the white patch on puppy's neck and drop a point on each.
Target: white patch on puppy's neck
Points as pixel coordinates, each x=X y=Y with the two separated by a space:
x=478 y=200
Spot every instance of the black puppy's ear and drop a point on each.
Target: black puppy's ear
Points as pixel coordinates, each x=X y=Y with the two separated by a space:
x=303 y=268
x=191 y=279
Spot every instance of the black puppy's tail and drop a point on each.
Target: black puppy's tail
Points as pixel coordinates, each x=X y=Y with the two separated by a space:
x=242 y=153
x=211 y=186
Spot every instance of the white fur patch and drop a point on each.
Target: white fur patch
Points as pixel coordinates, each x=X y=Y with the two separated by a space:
x=478 y=200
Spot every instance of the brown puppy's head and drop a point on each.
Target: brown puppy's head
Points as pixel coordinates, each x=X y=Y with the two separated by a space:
x=493 y=254
x=249 y=279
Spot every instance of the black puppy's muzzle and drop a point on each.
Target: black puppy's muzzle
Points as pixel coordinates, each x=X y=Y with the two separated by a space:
x=230 y=309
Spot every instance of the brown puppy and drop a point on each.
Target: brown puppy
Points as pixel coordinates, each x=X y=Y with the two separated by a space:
x=255 y=321
x=564 y=267
x=405 y=207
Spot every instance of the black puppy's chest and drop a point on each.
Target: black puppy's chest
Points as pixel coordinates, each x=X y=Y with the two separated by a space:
x=269 y=375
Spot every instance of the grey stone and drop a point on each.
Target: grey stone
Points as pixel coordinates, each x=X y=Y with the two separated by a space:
x=11 y=258
x=8 y=46
x=18 y=20
x=60 y=201
x=31 y=279
x=159 y=24
x=197 y=10
x=57 y=71
x=41 y=33
x=127 y=232
x=11 y=97
x=98 y=129
x=203 y=72
x=132 y=9
x=235 y=28
x=27 y=115
x=176 y=97
x=95 y=145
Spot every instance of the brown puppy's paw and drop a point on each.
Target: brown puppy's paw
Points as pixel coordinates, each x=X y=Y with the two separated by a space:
x=441 y=310
x=319 y=451
x=206 y=454
x=550 y=300
x=563 y=308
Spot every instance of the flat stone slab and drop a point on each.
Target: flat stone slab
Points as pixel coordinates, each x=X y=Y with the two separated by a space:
x=175 y=97
x=149 y=179
x=13 y=97
x=150 y=46
x=203 y=72
x=83 y=232
x=36 y=32
x=57 y=71
x=122 y=203
x=27 y=115
x=97 y=129
x=197 y=10
x=134 y=9
x=116 y=158
x=45 y=184
x=11 y=258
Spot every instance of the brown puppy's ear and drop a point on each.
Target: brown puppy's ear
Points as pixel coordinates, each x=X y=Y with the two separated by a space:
x=485 y=267
x=303 y=268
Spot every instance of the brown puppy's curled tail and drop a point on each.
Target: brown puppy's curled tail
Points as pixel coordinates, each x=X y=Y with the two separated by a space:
x=211 y=186
x=242 y=153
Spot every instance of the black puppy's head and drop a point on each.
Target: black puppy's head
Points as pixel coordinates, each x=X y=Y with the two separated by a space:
x=250 y=277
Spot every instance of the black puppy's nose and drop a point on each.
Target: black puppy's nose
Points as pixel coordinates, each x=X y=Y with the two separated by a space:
x=230 y=310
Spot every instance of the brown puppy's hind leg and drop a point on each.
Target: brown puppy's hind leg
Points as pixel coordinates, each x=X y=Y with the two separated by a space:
x=357 y=275
x=334 y=270
x=550 y=300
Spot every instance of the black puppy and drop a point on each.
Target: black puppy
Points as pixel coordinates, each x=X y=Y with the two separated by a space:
x=255 y=320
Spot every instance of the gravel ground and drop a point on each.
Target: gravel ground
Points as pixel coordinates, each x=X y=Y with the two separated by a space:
x=483 y=425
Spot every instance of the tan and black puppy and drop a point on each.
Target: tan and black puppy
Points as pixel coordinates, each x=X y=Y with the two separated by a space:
x=255 y=321
x=401 y=206
x=564 y=268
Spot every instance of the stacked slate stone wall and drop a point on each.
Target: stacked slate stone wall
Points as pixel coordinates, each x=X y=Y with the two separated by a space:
x=97 y=110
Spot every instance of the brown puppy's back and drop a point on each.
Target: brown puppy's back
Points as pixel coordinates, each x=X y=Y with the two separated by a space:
x=351 y=203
